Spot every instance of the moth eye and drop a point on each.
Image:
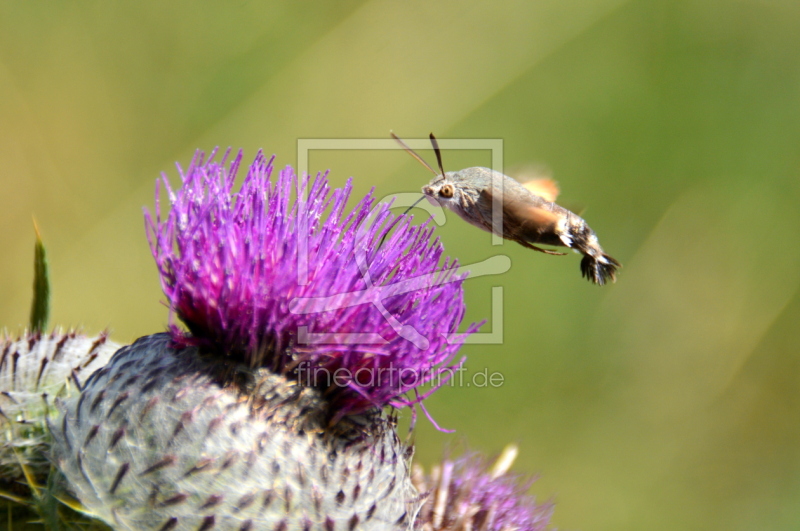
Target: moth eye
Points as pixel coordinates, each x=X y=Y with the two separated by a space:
x=446 y=191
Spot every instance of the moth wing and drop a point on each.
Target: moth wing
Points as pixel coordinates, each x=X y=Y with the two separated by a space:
x=532 y=221
x=538 y=180
x=523 y=220
x=544 y=188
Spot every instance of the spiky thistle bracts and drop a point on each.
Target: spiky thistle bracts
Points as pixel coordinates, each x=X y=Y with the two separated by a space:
x=259 y=276
x=165 y=438
x=35 y=368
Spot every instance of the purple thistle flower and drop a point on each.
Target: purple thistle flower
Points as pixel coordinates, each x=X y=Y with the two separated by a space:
x=259 y=276
x=471 y=493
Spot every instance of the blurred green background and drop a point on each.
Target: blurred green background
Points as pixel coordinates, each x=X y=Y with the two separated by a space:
x=667 y=401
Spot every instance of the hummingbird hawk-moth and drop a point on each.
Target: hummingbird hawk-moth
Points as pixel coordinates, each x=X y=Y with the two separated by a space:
x=530 y=215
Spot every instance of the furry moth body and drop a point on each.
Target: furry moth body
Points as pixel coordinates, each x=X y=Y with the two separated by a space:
x=530 y=215
x=528 y=219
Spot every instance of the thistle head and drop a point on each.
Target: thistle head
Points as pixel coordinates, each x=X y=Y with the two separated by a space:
x=472 y=492
x=36 y=369
x=279 y=274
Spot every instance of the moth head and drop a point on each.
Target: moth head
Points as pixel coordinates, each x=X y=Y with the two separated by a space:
x=442 y=189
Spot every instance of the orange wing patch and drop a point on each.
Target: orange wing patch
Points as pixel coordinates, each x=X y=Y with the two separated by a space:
x=544 y=188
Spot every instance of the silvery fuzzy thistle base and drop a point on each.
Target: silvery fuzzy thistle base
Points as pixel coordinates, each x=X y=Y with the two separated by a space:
x=169 y=439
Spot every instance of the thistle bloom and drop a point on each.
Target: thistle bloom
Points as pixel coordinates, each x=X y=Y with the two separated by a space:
x=234 y=425
x=471 y=493
x=262 y=279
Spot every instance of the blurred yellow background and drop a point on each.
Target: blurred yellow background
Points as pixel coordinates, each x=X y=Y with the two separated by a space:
x=666 y=401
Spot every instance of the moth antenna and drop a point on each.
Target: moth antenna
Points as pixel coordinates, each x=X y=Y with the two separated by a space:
x=438 y=153
x=413 y=153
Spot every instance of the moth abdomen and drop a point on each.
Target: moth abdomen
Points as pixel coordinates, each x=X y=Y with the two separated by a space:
x=596 y=265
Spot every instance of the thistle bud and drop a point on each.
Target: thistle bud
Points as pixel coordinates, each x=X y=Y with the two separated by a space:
x=35 y=369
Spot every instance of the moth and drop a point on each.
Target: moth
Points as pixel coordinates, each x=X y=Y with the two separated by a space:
x=530 y=215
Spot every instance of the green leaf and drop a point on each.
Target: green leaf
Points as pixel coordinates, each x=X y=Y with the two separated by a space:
x=40 y=308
